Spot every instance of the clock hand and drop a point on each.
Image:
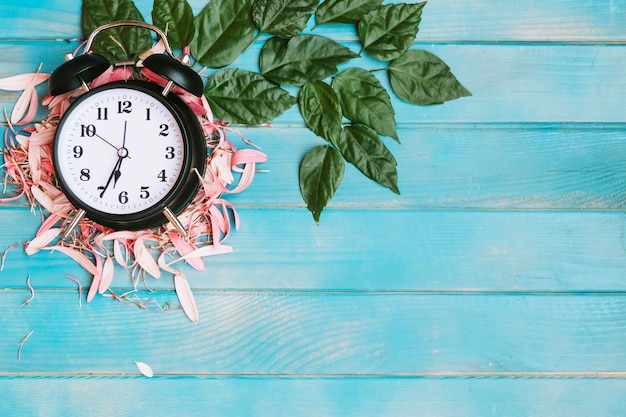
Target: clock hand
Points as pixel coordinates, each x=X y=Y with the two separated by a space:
x=115 y=170
x=110 y=144
x=123 y=153
x=106 y=141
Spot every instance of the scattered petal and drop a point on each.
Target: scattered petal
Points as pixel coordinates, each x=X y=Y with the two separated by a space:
x=42 y=240
x=185 y=296
x=145 y=259
x=184 y=248
x=145 y=369
x=95 y=282
x=78 y=256
x=107 y=275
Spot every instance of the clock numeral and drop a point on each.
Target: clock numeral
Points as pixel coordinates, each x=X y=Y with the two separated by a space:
x=170 y=152
x=162 y=176
x=147 y=113
x=144 y=193
x=85 y=174
x=87 y=130
x=78 y=151
x=103 y=113
x=123 y=197
x=124 y=106
x=164 y=130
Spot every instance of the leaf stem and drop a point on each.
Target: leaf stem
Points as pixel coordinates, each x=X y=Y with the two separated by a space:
x=252 y=42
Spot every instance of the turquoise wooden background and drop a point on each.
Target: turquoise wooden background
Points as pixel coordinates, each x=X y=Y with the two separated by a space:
x=494 y=285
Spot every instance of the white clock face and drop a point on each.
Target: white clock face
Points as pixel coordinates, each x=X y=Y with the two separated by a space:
x=119 y=151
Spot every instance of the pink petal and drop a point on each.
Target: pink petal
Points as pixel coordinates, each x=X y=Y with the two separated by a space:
x=185 y=296
x=203 y=252
x=42 y=137
x=144 y=258
x=25 y=107
x=244 y=156
x=48 y=223
x=120 y=258
x=42 y=240
x=107 y=275
x=21 y=81
x=95 y=283
x=79 y=257
x=184 y=247
x=163 y=264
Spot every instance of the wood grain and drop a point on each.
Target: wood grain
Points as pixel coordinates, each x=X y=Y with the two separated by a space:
x=380 y=250
x=443 y=20
x=323 y=397
x=320 y=333
x=493 y=285
x=522 y=83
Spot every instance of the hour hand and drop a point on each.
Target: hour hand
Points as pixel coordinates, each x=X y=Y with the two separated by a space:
x=115 y=174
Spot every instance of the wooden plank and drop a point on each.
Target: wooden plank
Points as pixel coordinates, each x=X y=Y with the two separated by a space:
x=381 y=250
x=511 y=20
x=442 y=166
x=522 y=83
x=327 y=397
x=320 y=333
x=543 y=166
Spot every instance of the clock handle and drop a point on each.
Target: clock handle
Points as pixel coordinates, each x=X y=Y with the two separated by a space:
x=175 y=71
x=118 y=23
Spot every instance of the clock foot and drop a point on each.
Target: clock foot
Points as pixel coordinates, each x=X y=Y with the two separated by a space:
x=175 y=222
x=77 y=218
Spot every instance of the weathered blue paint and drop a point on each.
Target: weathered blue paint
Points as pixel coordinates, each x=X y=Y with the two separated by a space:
x=493 y=285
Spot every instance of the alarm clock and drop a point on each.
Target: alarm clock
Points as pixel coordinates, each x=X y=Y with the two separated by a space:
x=128 y=154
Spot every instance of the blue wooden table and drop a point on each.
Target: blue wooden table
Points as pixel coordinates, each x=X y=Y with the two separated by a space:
x=495 y=284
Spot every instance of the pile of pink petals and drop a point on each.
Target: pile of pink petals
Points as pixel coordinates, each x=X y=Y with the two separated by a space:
x=29 y=174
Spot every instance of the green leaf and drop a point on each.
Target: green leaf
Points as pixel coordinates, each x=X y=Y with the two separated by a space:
x=238 y=96
x=301 y=59
x=321 y=173
x=117 y=44
x=284 y=18
x=420 y=77
x=387 y=31
x=176 y=17
x=362 y=147
x=223 y=29
x=365 y=101
x=320 y=109
x=344 y=11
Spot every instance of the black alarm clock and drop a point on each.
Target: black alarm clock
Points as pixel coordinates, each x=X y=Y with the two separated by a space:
x=128 y=154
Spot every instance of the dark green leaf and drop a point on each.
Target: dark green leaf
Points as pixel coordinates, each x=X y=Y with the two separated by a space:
x=320 y=109
x=365 y=101
x=176 y=17
x=321 y=172
x=344 y=11
x=362 y=147
x=245 y=97
x=301 y=59
x=223 y=29
x=120 y=43
x=387 y=31
x=284 y=18
x=420 y=77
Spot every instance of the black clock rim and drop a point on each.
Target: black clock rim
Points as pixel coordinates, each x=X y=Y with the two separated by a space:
x=186 y=186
